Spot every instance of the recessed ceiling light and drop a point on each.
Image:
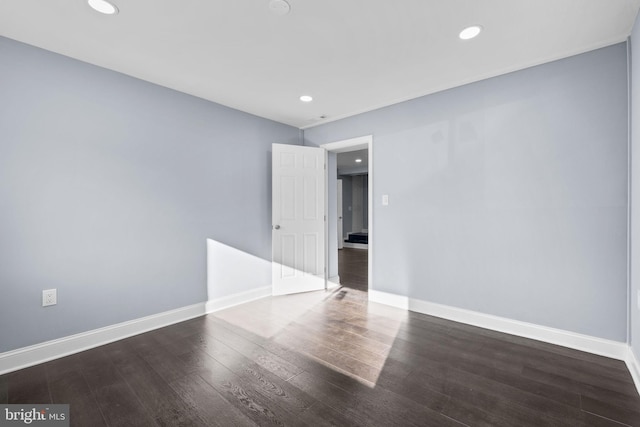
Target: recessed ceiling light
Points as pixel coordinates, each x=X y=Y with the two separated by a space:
x=470 y=32
x=358 y=160
x=306 y=98
x=279 y=7
x=103 y=6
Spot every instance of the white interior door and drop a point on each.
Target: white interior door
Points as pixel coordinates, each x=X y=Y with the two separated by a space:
x=298 y=215
x=340 y=224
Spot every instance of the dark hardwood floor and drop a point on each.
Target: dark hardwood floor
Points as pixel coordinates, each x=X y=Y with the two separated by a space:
x=353 y=268
x=330 y=358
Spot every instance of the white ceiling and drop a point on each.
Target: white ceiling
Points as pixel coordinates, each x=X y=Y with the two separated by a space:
x=347 y=160
x=352 y=56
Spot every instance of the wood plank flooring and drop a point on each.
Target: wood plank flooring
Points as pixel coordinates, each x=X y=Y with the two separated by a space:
x=353 y=268
x=330 y=359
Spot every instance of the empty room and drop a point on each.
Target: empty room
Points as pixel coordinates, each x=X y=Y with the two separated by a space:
x=347 y=213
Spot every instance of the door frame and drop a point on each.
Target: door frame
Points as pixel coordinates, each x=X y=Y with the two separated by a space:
x=340 y=215
x=345 y=146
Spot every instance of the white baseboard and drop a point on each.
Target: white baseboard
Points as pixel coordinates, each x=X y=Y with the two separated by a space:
x=613 y=349
x=54 y=349
x=236 y=299
x=332 y=285
x=398 y=301
x=634 y=368
x=39 y=353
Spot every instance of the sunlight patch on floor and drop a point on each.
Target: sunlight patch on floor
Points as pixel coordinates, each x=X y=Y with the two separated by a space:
x=329 y=327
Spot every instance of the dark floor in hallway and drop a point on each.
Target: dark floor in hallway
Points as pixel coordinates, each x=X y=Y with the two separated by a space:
x=352 y=268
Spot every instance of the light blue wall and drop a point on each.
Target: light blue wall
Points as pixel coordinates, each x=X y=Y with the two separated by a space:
x=634 y=318
x=109 y=188
x=507 y=196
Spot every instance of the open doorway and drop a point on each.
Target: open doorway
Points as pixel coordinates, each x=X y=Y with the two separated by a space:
x=352 y=262
x=353 y=221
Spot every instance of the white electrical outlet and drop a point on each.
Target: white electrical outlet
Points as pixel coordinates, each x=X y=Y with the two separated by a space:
x=49 y=297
